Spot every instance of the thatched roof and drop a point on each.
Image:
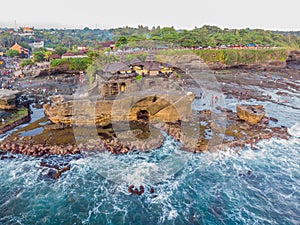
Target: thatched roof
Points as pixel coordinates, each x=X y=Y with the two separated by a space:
x=54 y=56
x=150 y=57
x=151 y=65
x=115 y=67
x=134 y=61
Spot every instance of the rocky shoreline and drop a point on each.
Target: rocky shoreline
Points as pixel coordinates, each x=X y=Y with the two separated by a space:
x=241 y=132
x=292 y=61
x=15 y=124
x=58 y=139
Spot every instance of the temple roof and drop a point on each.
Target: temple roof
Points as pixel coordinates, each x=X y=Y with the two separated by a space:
x=134 y=61
x=115 y=67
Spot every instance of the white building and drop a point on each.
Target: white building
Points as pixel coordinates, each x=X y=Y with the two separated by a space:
x=37 y=45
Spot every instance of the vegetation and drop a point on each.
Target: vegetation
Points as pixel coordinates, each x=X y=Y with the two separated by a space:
x=12 y=53
x=76 y=64
x=65 y=39
x=60 y=50
x=39 y=55
x=138 y=77
x=205 y=36
x=26 y=62
x=245 y=56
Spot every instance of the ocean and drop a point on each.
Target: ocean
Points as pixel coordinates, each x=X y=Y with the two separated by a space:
x=248 y=186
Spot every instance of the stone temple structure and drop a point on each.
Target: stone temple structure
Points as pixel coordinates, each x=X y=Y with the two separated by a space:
x=126 y=91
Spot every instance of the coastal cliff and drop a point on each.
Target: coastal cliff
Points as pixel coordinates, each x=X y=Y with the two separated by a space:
x=260 y=59
x=102 y=112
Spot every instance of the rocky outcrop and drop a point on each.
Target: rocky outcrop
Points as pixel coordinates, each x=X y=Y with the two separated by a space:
x=8 y=99
x=293 y=61
x=10 y=126
x=269 y=65
x=252 y=114
x=195 y=137
x=168 y=108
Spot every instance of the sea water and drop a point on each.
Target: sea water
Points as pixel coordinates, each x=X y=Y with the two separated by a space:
x=227 y=187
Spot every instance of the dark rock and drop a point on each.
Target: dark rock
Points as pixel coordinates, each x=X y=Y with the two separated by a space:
x=53 y=174
x=151 y=190
x=274 y=119
x=130 y=189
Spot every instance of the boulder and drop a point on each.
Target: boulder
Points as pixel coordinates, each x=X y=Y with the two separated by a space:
x=8 y=99
x=252 y=114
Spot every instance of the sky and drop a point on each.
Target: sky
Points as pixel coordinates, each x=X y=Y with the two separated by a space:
x=186 y=14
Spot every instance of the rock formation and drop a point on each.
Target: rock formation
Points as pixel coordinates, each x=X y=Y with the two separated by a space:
x=168 y=108
x=8 y=99
x=252 y=114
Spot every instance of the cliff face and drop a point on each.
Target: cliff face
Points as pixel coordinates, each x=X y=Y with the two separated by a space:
x=8 y=99
x=272 y=64
x=168 y=108
x=264 y=59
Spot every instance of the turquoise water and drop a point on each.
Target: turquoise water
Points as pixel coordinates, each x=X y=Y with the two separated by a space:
x=227 y=187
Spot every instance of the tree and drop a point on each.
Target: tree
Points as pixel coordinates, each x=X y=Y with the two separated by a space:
x=12 y=53
x=121 y=41
x=38 y=56
x=47 y=55
x=60 y=50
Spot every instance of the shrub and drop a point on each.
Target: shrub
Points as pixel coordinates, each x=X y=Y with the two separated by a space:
x=26 y=63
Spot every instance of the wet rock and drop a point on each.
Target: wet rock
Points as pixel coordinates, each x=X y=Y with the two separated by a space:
x=7 y=157
x=56 y=173
x=53 y=174
x=130 y=189
x=252 y=114
x=274 y=119
x=135 y=191
x=245 y=126
x=151 y=190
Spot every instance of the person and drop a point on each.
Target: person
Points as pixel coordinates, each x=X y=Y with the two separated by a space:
x=246 y=95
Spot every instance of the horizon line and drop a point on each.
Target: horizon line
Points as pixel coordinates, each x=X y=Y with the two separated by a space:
x=48 y=26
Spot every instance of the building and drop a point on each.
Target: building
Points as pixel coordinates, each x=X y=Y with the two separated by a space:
x=54 y=56
x=120 y=95
x=119 y=75
x=73 y=55
x=82 y=49
x=37 y=45
x=108 y=44
x=23 y=52
x=26 y=31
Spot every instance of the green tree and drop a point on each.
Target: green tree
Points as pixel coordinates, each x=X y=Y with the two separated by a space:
x=38 y=56
x=123 y=40
x=12 y=53
x=60 y=50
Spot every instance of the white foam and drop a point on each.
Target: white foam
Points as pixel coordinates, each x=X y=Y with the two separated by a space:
x=295 y=130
